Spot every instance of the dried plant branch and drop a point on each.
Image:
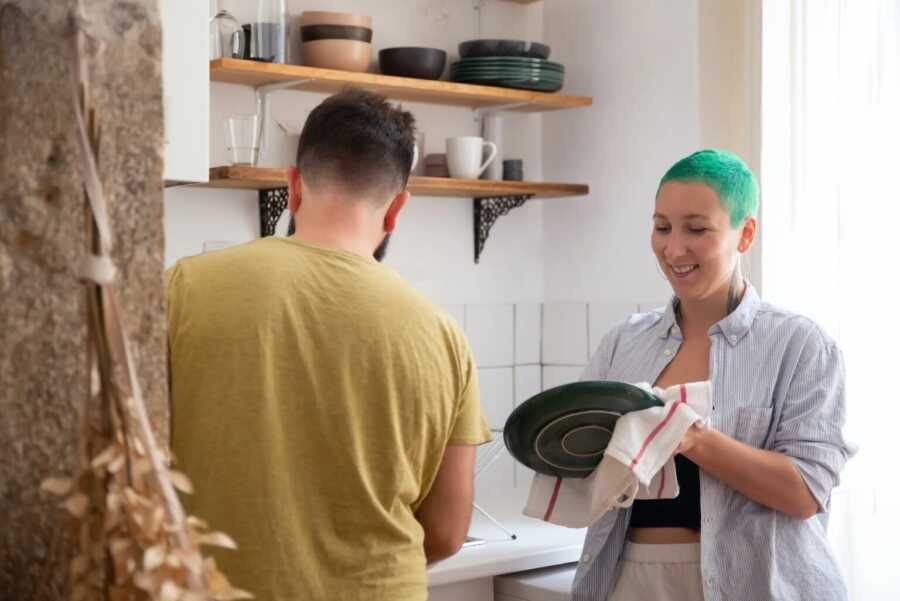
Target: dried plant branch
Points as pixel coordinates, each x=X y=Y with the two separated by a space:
x=134 y=539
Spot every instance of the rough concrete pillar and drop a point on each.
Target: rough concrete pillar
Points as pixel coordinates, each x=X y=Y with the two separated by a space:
x=43 y=353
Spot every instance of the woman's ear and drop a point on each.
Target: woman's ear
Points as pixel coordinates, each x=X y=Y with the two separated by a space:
x=748 y=234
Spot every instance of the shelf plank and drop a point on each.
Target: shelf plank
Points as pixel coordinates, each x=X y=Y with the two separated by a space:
x=253 y=73
x=265 y=178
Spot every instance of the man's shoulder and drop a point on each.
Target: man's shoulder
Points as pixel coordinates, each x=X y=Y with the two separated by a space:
x=423 y=307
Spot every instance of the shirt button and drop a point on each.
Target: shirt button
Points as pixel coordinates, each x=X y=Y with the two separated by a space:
x=586 y=558
x=667 y=352
x=733 y=338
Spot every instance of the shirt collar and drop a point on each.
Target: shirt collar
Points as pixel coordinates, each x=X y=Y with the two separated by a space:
x=734 y=326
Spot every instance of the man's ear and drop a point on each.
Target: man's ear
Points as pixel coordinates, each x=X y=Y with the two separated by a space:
x=390 y=218
x=294 y=189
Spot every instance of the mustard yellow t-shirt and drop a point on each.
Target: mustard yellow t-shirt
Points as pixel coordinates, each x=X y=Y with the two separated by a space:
x=313 y=394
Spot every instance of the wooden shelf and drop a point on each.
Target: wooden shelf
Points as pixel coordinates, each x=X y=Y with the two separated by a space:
x=253 y=73
x=265 y=178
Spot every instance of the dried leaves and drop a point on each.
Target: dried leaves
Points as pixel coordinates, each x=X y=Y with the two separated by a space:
x=129 y=549
x=134 y=541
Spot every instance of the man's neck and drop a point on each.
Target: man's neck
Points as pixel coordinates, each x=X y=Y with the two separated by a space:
x=345 y=230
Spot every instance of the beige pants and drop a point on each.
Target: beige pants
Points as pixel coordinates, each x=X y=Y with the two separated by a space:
x=659 y=573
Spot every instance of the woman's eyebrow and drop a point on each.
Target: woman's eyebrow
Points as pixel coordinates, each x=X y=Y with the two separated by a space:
x=691 y=216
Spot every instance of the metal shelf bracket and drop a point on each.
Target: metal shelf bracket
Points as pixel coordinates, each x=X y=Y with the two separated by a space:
x=262 y=105
x=272 y=204
x=486 y=211
x=480 y=112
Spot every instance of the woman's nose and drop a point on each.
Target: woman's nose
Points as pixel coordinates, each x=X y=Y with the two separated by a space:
x=674 y=247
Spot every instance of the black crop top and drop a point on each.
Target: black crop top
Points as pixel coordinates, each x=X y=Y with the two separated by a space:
x=681 y=512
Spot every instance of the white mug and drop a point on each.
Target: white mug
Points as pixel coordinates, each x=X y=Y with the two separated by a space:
x=464 y=156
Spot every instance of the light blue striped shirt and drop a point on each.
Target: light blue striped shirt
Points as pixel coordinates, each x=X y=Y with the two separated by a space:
x=778 y=384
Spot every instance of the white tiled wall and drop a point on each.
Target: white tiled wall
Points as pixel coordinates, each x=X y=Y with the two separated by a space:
x=602 y=316
x=565 y=334
x=490 y=331
x=520 y=350
x=528 y=333
x=496 y=394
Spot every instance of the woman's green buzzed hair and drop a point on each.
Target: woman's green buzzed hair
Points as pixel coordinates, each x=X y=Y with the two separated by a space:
x=726 y=174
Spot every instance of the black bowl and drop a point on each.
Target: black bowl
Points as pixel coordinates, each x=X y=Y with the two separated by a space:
x=421 y=63
x=477 y=48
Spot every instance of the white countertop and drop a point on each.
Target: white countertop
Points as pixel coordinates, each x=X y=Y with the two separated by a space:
x=537 y=545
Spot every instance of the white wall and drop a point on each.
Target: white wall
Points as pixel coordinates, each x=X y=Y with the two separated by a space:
x=433 y=247
x=667 y=78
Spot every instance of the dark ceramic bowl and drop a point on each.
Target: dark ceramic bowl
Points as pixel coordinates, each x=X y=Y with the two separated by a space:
x=421 y=63
x=311 y=33
x=478 y=48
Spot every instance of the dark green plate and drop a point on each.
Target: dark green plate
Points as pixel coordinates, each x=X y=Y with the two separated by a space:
x=504 y=66
x=511 y=60
x=502 y=75
x=563 y=431
x=523 y=70
x=515 y=84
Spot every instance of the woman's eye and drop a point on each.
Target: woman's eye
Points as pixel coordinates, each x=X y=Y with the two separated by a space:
x=697 y=230
x=662 y=228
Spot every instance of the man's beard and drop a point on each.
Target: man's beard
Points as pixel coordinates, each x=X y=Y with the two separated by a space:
x=381 y=251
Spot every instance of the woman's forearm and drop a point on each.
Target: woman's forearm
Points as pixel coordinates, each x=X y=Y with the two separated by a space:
x=767 y=477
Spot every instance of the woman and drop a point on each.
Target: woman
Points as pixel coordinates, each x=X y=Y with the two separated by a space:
x=749 y=522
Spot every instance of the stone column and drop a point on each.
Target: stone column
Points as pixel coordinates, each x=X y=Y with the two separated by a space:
x=43 y=235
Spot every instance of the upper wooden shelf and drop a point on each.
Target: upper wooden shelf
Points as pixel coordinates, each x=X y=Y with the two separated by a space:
x=266 y=178
x=253 y=73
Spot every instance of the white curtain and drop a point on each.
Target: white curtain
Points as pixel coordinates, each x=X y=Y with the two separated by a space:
x=830 y=235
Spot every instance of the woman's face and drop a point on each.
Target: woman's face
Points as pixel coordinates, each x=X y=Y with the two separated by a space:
x=693 y=240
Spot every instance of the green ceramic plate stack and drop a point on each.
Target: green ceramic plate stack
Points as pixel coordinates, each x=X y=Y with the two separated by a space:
x=524 y=73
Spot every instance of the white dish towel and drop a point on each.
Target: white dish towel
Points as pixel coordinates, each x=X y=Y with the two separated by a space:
x=638 y=462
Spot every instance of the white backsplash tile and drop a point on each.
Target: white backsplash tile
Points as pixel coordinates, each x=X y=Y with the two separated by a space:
x=528 y=382
x=497 y=480
x=496 y=385
x=457 y=312
x=602 y=316
x=565 y=335
x=489 y=329
x=555 y=375
x=528 y=333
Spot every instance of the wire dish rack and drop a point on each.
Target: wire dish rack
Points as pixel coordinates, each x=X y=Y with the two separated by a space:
x=486 y=455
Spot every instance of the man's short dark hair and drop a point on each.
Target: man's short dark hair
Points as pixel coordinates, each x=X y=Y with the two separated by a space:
x=359 y=142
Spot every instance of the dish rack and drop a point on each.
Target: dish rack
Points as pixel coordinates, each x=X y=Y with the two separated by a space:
x=486 y=455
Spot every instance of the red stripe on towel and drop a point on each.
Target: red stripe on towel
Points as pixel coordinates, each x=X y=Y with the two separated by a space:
x=658 y=427
x=662 y=482
x=553 y=499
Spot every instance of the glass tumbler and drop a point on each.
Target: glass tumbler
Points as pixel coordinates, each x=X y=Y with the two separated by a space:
x=242 y=137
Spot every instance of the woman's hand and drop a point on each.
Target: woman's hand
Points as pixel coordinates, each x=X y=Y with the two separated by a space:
x=690 y=438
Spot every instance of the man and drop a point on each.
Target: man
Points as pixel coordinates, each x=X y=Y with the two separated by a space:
x=326 y=413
